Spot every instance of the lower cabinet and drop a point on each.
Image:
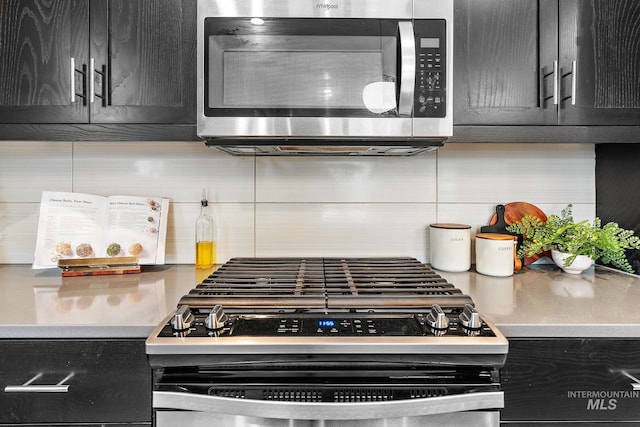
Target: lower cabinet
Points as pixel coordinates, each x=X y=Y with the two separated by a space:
x=562 y=382
x=74 y=382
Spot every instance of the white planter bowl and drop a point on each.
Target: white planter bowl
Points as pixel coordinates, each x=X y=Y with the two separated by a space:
x=581 y=263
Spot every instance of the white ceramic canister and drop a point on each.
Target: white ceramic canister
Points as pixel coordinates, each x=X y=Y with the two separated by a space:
x=450 y=246
x=495 y=254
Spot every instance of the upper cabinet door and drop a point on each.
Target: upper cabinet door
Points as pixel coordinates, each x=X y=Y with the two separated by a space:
x=144 y=61
x=505 y=53
x=600 y=62
x=43 y=51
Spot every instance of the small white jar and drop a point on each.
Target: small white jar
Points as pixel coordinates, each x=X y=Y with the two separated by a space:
x=495 y=254
x=450 y=246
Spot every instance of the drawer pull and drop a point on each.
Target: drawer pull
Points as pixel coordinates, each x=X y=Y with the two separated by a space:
x=27 y=387
x=635 y=385
x=555 y=82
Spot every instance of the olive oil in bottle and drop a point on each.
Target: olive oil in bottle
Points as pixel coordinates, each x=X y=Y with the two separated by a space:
x=205 y=236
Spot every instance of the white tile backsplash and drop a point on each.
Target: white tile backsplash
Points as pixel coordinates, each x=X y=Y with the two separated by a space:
x=29 y=167
x=296 y=206
x=343 y=229
x=18 y=229
x=177 y=170
x=346 y=179
x=536 y=173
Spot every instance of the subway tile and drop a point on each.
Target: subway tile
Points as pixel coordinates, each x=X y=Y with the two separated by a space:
x=580 y=211
x=346 y=179
x=18 y=229
x=29 y=167
x=502 y=173
x=177 y=170
x=343 y=229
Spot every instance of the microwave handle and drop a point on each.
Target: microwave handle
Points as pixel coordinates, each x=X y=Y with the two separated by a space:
x=491 y=400
x=407 y=67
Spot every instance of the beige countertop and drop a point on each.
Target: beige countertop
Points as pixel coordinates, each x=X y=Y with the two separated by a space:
x=542 y=301
x=42 y=304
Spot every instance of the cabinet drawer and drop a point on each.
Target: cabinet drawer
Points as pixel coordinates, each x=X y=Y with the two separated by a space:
x=578 y=380
x=104 y=381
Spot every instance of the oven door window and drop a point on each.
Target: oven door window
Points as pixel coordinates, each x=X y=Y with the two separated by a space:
x=301 y=67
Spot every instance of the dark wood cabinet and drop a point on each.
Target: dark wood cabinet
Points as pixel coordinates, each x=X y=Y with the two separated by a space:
x=40 y=47
x=109 y=381
x=145 y=61
x=571 y=381
x=547 y=62
x=603 y=38
x=504 y=62
x=98 y=61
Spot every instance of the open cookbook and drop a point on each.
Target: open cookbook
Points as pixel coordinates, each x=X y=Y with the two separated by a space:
x=84 y=226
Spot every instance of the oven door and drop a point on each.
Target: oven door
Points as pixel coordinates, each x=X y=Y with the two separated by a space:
x=302 y=72
x=312 y=391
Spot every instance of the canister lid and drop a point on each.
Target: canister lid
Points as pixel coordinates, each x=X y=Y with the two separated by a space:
x=450 y=226
x=495 y=236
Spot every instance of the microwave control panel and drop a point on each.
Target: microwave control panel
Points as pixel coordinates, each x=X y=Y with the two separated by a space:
x=431 y=83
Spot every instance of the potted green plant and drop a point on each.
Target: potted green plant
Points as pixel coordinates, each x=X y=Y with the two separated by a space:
x=570 y=241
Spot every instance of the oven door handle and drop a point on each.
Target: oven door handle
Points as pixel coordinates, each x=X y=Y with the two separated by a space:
x=407 y=67
x=328 y=411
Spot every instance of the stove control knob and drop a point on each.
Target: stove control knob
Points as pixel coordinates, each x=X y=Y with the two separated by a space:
x=182 y=319
x=437 y=318
x=470 y=317
x=216 y=318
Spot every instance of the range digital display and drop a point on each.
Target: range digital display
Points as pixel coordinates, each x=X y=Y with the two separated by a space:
x=326 y=323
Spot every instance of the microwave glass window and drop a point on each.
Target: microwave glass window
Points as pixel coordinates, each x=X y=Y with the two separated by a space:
x=298 y=79
x=298 y=73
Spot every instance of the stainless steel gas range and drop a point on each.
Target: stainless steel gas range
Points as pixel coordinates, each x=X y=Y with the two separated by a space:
x=324 y=342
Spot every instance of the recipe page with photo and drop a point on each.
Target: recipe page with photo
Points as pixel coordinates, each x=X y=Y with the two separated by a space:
x=132 y=227
x=75 y=225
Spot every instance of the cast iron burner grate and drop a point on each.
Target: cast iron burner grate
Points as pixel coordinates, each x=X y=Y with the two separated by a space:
x=329 y=283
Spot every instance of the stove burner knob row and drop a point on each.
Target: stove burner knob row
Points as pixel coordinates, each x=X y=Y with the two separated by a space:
x=437 y=318
x=216 y=318
x=182 y=319
x=470 y=317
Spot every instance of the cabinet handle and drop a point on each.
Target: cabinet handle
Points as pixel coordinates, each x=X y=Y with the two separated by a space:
x=573 y=73
x=555 y=82
x=328 y=410
x=73 y=80
x=544 y=76
x=60 y=387
x=92 y=80
x=574 y=70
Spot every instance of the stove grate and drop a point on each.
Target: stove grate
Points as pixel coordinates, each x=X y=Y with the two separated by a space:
x=332 y=282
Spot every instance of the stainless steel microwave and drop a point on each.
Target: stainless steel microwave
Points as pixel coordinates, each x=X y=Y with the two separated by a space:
x=365 y=77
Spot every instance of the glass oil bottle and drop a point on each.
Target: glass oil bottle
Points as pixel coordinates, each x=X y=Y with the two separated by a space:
x=205 y=236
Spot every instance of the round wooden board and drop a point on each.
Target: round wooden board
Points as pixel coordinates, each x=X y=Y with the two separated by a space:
x=514 y=212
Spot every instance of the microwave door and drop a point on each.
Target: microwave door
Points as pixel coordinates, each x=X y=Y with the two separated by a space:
x=308 y=78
